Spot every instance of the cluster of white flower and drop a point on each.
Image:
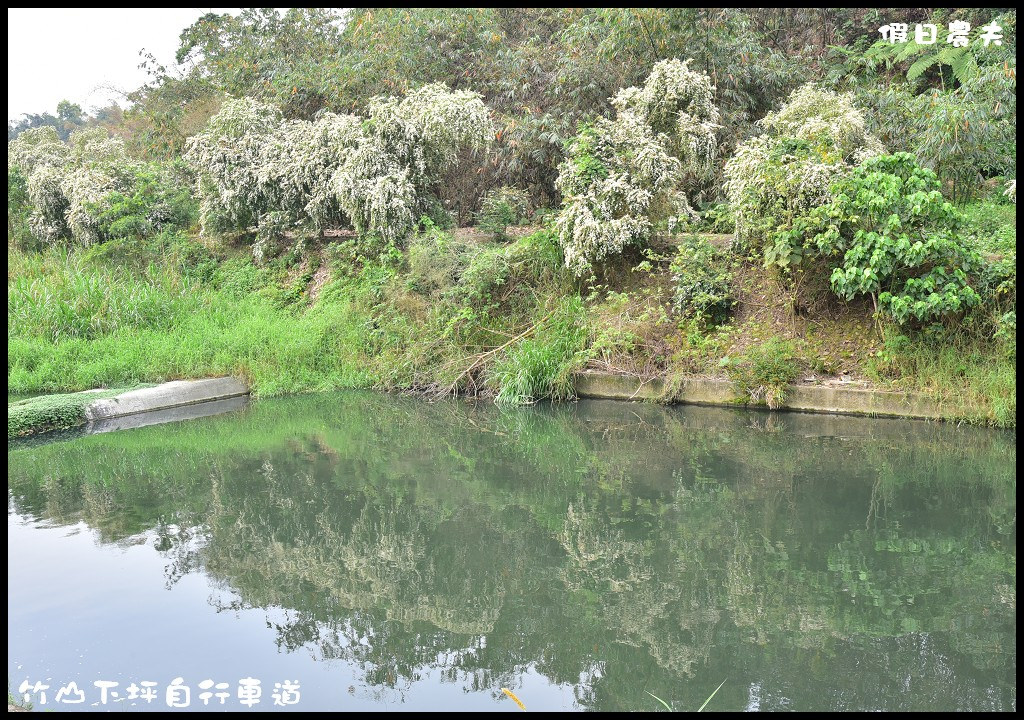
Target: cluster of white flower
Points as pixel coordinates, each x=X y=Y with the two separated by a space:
x=678 y=103
x=377 y=173
x=251 y=162
x=827 y=120
x=809 y=143
x=48 y=220
x=37 y=147
x=388 y=182
x=622 y=176
x=68 y=182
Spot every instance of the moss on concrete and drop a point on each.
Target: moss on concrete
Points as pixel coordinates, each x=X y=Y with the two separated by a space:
x=53 y=412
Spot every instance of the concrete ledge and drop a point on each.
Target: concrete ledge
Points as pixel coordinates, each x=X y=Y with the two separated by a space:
x=167 y=415
x=806 y=398
x=162 y=397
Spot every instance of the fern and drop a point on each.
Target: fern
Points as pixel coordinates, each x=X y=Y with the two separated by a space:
x=918 y=68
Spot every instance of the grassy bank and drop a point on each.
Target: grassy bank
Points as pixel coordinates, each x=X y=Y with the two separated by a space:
x=457 y=313
x=120 y=314
x=80 y=320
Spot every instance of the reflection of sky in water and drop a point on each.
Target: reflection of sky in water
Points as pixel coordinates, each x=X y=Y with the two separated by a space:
x=127 y=626
x=389 y=553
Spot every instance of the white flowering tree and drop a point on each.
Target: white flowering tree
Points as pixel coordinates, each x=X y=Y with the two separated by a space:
x=69 y=183
x=251 y=162
x=379 y=174
x=809 y=143
x=621 y=177
x=391 y=179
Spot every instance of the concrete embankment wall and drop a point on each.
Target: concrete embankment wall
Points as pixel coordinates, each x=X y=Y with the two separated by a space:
x=187 y=399
x=113 y=409
x=807 y=398
x=166 y=396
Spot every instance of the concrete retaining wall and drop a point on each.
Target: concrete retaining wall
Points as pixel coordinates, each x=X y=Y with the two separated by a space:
x=807 y=398
x=171 y=414
x=168 y=395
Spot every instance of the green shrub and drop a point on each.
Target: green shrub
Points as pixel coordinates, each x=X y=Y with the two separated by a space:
x=437 y=260
x=764 y=372
x=778 y=176
x=990 y=226
x=700 y=273
x=1006 y=334
x=158 y=199
x=896 y=239
x=717 y=218
x=19 y=210
x=501 y=208
x=529 y=261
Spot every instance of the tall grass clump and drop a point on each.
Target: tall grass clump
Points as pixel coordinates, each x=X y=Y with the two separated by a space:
x=56 y=295
x=75 y=324
x=541 y=366
x=764 y=372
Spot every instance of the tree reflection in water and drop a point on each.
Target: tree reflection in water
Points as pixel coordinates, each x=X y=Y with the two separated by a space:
x=817 y=562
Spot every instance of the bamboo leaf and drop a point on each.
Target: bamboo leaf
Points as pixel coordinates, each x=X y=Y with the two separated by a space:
x=711 y=696
x=667 y=706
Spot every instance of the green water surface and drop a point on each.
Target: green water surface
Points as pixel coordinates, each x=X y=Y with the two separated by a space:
x=390 y=553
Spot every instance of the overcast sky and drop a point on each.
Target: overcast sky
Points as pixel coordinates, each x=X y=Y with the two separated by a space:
x=56 y=54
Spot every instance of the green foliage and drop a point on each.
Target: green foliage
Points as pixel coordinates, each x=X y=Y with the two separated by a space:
x=541 y=366
x=954 y=108
x=716 y=218
x=159 y=199
x=703 y=282
x=532 y=261
x=285 y=58
x=897 y=239
x=974 y=379
x=501 y=208
x=437 y=261
x=791 y=179
x=941 y=60
x=774 y=178
x=1006 y=334
x=990 y=227
x=969 y=134
x=68 y=119
x=52 y=412
x=19 y=210
x=764 y=372
x=587 y=168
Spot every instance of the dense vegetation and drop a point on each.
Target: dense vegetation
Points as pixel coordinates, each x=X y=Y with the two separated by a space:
x=656 y=191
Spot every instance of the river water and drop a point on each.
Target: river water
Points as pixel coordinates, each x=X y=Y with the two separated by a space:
x=361 y=551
